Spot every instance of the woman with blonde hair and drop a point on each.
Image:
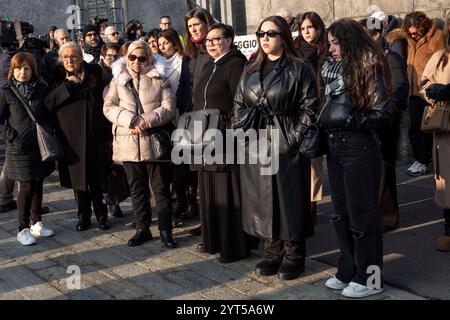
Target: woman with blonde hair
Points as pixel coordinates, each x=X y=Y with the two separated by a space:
x=139 y=100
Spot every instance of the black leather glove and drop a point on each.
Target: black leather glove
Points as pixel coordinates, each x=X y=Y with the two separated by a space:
x=9 y=134
x=438 y=92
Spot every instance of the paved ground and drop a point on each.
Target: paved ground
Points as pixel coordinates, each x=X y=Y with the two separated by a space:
x=112 y=270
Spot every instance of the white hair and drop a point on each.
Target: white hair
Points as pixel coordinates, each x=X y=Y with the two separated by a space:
x=284 y=12
x=70 y=45
x=380 y=15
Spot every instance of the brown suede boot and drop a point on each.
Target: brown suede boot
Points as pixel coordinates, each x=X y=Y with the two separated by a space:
x=443 y=243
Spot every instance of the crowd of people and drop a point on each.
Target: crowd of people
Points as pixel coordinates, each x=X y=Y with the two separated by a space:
x=108 y=98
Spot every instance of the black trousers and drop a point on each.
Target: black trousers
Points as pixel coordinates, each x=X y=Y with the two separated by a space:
x=421 y=143
x=6 y=189
x=139 y=174
x=388 y=195
x=289 y=252
x=354 y=162
x=29 y=203
x=84 y=200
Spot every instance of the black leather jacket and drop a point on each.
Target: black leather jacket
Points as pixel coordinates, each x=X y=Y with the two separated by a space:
x=291 y=98
x=341 y=114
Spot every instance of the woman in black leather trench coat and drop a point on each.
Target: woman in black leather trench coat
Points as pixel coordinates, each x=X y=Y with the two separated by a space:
x=358 y=104
x=276 y=207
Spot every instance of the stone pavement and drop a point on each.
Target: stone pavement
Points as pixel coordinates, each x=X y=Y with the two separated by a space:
x=112 y=270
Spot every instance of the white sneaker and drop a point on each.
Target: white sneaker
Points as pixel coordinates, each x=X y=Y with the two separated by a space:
x=25 y=237
x=419 y=170
x=335 y=284
x=38 y=230
x=356 y=290
x=413 y=166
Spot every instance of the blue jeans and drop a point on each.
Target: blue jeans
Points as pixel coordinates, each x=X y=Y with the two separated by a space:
x=354 y=168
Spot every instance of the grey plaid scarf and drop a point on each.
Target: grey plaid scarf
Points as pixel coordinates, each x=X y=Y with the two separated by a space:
x=335 y=82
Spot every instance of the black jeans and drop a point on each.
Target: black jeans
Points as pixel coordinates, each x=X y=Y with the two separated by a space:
x=6 y=189
x=139 y=175
x=29 y=203
x=354 y=173
x=84 y=200
x=421 y=143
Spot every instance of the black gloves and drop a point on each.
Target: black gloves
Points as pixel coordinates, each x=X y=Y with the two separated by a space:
x=438 y=92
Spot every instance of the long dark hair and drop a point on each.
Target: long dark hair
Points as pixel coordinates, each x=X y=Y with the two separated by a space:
x=286 y=36
x=190 y=49
x=362 y=59
x=320 y=42
x=444 y=58
x=172 y=36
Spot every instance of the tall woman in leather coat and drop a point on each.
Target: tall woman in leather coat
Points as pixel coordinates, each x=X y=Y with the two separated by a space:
x=358 y=103
x=276 y=207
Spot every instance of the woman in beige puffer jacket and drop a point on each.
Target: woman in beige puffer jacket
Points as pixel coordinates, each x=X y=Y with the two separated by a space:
x=131 y=142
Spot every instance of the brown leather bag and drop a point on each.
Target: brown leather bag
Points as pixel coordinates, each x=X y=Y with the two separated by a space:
x=436 y=118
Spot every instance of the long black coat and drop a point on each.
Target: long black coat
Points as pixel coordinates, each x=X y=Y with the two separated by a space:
x=79 y=109
x=278 y=206
x=23 y=160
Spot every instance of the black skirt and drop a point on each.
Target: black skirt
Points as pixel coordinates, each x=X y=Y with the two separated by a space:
x=221 y=219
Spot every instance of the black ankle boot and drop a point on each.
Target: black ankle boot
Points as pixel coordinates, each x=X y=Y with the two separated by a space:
x=141 y=236
x=268 y=267
x=167 y=239
x=291 y=271
x=84 y=222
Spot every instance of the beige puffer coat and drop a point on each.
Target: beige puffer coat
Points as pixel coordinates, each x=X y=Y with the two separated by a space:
x=120 y=108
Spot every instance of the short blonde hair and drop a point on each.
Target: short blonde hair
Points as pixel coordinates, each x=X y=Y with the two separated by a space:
x=140 y=45
x=70 y=45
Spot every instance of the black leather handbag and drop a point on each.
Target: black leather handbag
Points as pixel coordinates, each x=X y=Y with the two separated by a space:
x=314 y=143
x=50 y=146
x=194 y=126
x=160 y=142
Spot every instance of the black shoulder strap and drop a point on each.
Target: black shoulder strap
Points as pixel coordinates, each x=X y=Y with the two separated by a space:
x=22 y=100
x=140 y=108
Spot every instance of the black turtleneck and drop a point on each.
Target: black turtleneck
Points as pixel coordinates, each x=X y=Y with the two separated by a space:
x=268 y=67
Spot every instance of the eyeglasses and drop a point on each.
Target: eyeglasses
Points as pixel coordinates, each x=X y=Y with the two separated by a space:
x=91 y=34
x=72 y=58
x=270 y=33
x=213 y=41
x=113 y=34
x=141 y=59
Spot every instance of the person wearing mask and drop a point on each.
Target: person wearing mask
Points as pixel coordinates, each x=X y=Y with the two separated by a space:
x=77 y=102
x=92 y=44
x=390 y=136
x=196 y=24
x=131 y=144
x=358 y=102
x=23 y=159
x=424 y=39
x=436 y=89
x=311 y=45
x=276 y=208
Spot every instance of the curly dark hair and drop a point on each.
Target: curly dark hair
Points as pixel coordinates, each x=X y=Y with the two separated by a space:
x=362 y=59
x=419 y=20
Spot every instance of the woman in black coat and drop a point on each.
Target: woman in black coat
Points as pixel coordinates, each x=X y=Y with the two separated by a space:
x=78 y=104
x=220 y=203
x=196 y=23
x=276 y=207
x=23 y=160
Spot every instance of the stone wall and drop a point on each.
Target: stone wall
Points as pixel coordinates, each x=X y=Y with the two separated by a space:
x=330 y=10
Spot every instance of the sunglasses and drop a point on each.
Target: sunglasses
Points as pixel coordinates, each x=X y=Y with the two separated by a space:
x=91 y=34
x=113 y=34
x=270 y=33
x=141 y=59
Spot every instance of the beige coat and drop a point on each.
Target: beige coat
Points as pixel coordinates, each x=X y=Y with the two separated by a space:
x=418 y=55
x=441 y=141
x=120 y=108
